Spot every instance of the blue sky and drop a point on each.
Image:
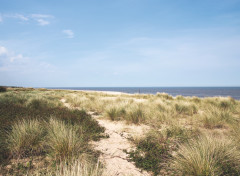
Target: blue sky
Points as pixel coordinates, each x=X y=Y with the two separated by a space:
x=119 y=43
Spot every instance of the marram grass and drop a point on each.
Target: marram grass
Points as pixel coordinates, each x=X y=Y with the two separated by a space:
x=25 y=137
x=208 y=156
x=64 y=141
x=79 y=167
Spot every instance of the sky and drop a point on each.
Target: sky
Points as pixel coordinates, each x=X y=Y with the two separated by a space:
x=119 y=43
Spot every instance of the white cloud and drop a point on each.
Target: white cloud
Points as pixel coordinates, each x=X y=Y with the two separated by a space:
x=3 y=51
x=69 y=33
x=16 y=57
x=42 y=19
x=21 y=17
x=7 y=56
x=17 y=16
x=16 y=62
x=41 y=16
x=42 y=22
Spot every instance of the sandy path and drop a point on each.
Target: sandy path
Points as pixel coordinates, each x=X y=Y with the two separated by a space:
x=112 y=148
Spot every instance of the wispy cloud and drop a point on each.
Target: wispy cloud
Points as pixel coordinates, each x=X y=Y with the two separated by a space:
x=41 y=16
x=69 y=33
x=16 y=16
x=42 y=22
x=41 y=19
x=3 y=51
x=17 y=62
x=21 y=17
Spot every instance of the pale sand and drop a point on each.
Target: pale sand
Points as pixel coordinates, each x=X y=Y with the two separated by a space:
x=112 y=148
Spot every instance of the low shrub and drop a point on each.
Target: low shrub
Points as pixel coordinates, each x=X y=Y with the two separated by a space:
x=207 y=156
x=151 y=152
x=179 y=133
x=3 y=89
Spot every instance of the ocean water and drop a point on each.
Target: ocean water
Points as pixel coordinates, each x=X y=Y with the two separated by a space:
x=174 y=91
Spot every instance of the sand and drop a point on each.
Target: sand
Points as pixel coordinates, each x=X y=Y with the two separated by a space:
x=112 y=149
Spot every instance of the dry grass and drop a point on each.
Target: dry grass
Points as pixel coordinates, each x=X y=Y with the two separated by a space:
x=26 y=137
x=208 y=156
x=79 y=167
x=176 y=121
x=64 y=141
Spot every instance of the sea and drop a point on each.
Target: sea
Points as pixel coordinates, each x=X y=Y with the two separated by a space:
x=233 y=92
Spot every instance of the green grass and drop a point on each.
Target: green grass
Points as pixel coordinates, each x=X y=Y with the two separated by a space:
x=151 y=153
x=186 y=109
x=64 y=141
x=218 y=118
x=35 y=123
x=176 y=123
x=25 y=138
x=136 y=115
x=207 y=156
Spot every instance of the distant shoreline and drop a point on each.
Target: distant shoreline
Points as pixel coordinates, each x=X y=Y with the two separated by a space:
x=201 y=92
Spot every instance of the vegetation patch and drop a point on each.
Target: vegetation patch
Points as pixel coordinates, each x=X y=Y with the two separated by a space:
x=208 y=155
x=33 y=123
x=3 y=89
x=152 y=152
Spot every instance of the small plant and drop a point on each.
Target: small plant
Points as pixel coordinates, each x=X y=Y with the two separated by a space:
x=25 y=137
x=151 y=153
x=180 y=133
x=207 y=156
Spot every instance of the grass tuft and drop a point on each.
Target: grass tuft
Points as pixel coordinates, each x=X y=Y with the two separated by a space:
x=64 y=141
x=25 y=137
x=79 y=167
x=185 y=108
x=136 y=115
x=207 y=156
